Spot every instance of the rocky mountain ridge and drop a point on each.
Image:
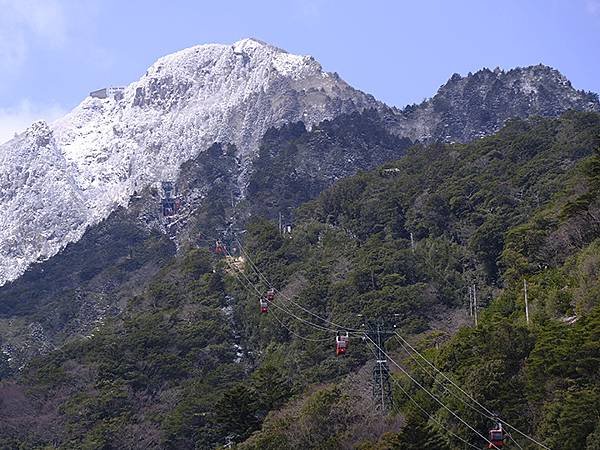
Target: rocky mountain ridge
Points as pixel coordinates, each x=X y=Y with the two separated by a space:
x=106 y=149
x=478 y=104
x=59 y=179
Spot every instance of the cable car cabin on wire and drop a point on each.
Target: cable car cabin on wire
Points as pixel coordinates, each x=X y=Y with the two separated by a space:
x=341 y=342
x=270 y=295
x=168 y=207
x=264 y=306
x=496 y=437
x=264 y=302
x=220 y=248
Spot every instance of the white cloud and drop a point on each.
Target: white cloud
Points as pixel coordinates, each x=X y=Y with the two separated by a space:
x=593 y=7
x=17 y=119
x=23 y=22
x=308 y=9
x=12 y=49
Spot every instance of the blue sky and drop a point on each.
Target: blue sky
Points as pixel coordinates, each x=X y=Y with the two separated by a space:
x=53 y=52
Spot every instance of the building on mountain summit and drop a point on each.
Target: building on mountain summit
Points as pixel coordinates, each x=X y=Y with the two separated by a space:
x=114 y=91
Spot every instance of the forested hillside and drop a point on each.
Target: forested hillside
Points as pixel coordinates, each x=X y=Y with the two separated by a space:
x=191 y=362
x=522 y=204
x=67 y=295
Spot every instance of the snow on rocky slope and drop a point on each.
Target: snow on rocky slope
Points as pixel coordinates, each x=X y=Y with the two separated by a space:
x=57 y=179
x=476 y=105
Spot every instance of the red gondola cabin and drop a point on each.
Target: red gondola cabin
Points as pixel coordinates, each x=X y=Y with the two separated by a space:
x=341 y=342
x=220 y=248
x=496 y=437
x=264 y=307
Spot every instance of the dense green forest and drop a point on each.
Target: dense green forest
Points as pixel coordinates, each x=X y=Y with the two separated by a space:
x=191 y=363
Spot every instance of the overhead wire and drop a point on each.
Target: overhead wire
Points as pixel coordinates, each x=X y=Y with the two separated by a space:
x=261 y=275
x=269 y=284
x=275 y=304
x=514 y=440
x=258 y=272
x=491 y=414
x=430 y=394
x=427 y=414
x=435 y=380
x=355 y=331
x=272 y=314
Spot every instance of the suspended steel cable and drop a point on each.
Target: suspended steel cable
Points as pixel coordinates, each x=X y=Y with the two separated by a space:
x=452 y=393
x=514 y=440
x=430 y=394
x=491 y=414
x=260 y=295
x=318 y=327
x=272 y=314
x=427 y=414
x=435 y=380
x=261 y=275
x=276 y=305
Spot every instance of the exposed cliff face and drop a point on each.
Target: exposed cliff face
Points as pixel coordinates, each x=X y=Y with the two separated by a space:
x=466 y=108
x=296 y=165
x=42 y=206
x=90 y=161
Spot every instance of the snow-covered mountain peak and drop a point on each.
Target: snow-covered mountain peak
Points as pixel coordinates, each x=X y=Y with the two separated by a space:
x=250 y=44
x=193 y=62
x=209 y=72
x=122 y=139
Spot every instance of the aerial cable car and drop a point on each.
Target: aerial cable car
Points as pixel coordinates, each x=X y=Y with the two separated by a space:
x=220 y=248
x=168 y=207
x=264 y=302
x=341 y=342
x=497 y=436
x=264 y=306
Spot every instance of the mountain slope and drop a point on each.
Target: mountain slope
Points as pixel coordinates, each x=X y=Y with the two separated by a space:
x=84 y=283
x=293 y=165
x=470 y=107
x=111 y=147
x=193 y=361
x=108 y=148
